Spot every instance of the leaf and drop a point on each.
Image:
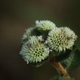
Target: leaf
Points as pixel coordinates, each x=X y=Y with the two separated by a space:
x=62 y=56
x=61 y=78
x=73 y=61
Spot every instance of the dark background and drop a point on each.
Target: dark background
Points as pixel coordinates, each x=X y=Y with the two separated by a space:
x=15 y=17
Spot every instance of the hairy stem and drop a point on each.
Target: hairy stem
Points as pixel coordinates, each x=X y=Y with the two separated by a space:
x=61 y=69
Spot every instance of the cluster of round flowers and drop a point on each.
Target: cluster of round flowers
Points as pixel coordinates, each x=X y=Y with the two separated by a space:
x=36 y=49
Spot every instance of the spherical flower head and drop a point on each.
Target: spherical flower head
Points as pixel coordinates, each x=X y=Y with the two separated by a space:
x=27 y=34
x=61 y=39
x=45 y=25
x=34 y=51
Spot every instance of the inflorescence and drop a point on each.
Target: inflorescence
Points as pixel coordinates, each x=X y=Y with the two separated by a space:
x=36 y=49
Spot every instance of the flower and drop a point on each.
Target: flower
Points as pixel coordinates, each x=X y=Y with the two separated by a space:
x=61 y=39
x=27 y=34
x=45 y=25
x=34 y=51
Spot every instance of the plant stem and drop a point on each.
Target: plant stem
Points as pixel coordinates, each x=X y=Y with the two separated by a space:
x=61 y=68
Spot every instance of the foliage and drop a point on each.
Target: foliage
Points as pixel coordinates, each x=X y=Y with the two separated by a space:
x=61 y=78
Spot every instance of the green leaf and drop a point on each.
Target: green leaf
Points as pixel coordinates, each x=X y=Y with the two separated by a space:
x=73 y=61
x=62 y=56
x=61 y=78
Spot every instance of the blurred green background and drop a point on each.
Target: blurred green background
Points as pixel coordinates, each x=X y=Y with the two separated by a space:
x=15 y=17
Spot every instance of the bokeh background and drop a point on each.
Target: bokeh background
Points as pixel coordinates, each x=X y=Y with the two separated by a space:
x=18 y=15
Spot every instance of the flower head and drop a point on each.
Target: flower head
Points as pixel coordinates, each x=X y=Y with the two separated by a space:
x=34 y=51
x=45 y=25
x=27 y=33
x=61 y=39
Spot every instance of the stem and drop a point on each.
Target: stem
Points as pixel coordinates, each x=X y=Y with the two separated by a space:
x=60 y=68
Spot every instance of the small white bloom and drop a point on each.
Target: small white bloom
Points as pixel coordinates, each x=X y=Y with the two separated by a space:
x=61 y=39
x=45 y=25
x=34 y=51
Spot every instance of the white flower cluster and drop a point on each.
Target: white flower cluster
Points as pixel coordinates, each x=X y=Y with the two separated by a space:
x=34 y=51
x=45 y=25
x=36 y=48
x=27 y=34
x=61 y=39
